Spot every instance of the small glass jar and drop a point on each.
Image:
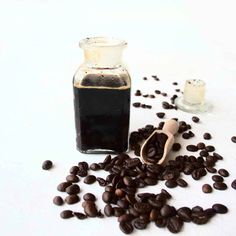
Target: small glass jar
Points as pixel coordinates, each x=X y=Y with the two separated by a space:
x=102 y=97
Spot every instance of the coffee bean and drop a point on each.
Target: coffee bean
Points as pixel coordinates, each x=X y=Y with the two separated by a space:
x=62 y=186
x=123 y=203
x=210 y=212
x=90 y=179
x=223 y=172
x=197 y=209
x=89 y=197
x=125 y=217
x=94 y=167
x=161 y=223
x=145 y=95
x=126 y=227
x=90 y=209
x=207 y=136
x=139 y=224
x=66 y=214
x=177 y=90
x=211 y=169
x=102 y=182
x=167 y=211
x=186 y=135
x=233 y=184
x=118 y=211
x=136 y=104
x=152 y=96
x=171 y=183
x=182 y=183
x=128 y=181
x=107 y=197
x=200 y=218
x=83 y=165
x=164 y=94
x=218 y=156
x=220 y=186
x=210 y=148
x=233 y=139
x=74 y=170
x=206 y=188
x=108 y=210
x=176 y=147
x=217 y=178
x=160 y=114
x=138 y=92
x=73 y=189
x=58 y=201
x=80 y=215
x=174 y=224
x=47 y=165
x=153 y=215
x=72 y=178
x=185 y=214
x=175 y=83
x=157 y=91
x=201 y=146
x=219 y=208
x=72 y=199
x=195 y=119
x=142 y=207
x=192 y=148
x=144 y=78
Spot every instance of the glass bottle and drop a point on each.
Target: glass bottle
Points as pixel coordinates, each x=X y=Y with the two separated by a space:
x=102 y=97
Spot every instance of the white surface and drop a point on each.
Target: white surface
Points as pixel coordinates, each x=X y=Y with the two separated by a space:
x=176 y=40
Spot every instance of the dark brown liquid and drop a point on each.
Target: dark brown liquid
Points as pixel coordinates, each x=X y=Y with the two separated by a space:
x=102 y=116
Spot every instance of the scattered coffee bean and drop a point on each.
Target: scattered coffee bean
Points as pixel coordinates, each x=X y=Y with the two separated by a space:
x=175 y=83
x=80 y=215
x=233 y=139
x=94 y=167
x=176 y=147
x=157 y=91
x=161 y=222
x=125 y=217
x=72 y=199
x=200 y=218
x=66 y=214
x=62 y=186
x=204 y=153
x=108 y=210
x=142 y=207
x=73 y=189
x=90 y=179
x=218 y=156
x=164 y=94
x=233 y=184
x=177 y=90
x=201 y=146
x=206 y=188
x=90 y=209
x=136 y=104
x=160 y=114
x=223 y=172
x=145 y=95
x=126 y=227
x=155 y=77
x=197 y=209
x=186 y=135
x=182 y=183
x=219 y=208
x=74 y=170
x=174 y=224
x=58 y=201
x=144 y=78
x=220 y=186
x=207 y=136
x=195 y=119
x=139 y=224
x=107 y=197
x=185 y=214
x=210 y=148
x=89 y=197
x=138 y=93
x=217 y=178
x=192 y=148
x=152 y=96
x=47 y=165
x=211 y=169
x=118 y=211
x=167 y=211
x=72 y=178
x=171 y=183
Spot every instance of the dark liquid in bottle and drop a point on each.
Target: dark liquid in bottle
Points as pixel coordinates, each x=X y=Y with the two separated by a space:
x=102 y=109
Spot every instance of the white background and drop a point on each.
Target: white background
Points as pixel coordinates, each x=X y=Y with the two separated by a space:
x=39 y=54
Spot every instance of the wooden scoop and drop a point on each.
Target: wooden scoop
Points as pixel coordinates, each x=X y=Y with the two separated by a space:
x=170 y=128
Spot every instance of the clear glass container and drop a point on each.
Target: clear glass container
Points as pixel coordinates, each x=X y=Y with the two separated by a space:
x=102 y=97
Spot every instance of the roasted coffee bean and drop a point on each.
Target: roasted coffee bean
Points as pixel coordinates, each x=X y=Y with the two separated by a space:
x=125 y=217
x=80 y=215
x=47 y=165
x=155 y=203
x=90 y=209
x=176 y=147
x=200 y=218
x=74 y=170
x=157 y=91
x=174 y=224
x=94 y=167
x=145 y=95
x=84 y=165
x=223 y=172
x=133 y=162
x=219 y=208
x=108 y=210
x=130 y=198
x=182 y=183
x=201 y=146
x=210 y=212
x=110 y=189
x=204 y=153
x=155 y=78
x=152 y=96
x=211 y=170
x=128 y=181
x=136 y=104
x=58 y=201
x=126 y=227
x=188 y=169
x=148 y=106
x=175 y=83
x=164 y=94
x=167 y=211
x=197 y=209
x=153 y=215
x=72 y=199
x=210 y=148
x=90 y=179
x=82 y=172
x=160 y=114
x=186 y=135
x=206 y=188
x=233 y=184
x=102 y=182
x=133 y=212
x=233 y=139
x=72 y=178
x=161 y=222
x=220 y=186
x=123 y=203
x=140 y=224
x=118 y=211
x=192 y=148
x=107 y=197
x=89 y=197
x=217 y=178
x=150 y=181
x=119 y=193
x=66 y=214
x=177 y=90
x=218 y=156
x=73 y=189
x=185 y=214
x=165 y=105
x=62 y=186
x=207 y=136
x=171 y=183
x=145 y=217
x=195 y=119
x=142 y=207
x=166 y=194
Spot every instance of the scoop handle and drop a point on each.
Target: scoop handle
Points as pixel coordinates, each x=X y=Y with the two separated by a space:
x=171 y=126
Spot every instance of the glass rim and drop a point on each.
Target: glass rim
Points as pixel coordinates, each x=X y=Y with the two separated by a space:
x=101 y=42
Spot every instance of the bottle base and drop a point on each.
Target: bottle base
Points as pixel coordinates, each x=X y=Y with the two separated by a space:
x=100 y=151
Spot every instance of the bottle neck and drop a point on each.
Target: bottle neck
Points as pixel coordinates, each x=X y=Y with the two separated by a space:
x=103 y=57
